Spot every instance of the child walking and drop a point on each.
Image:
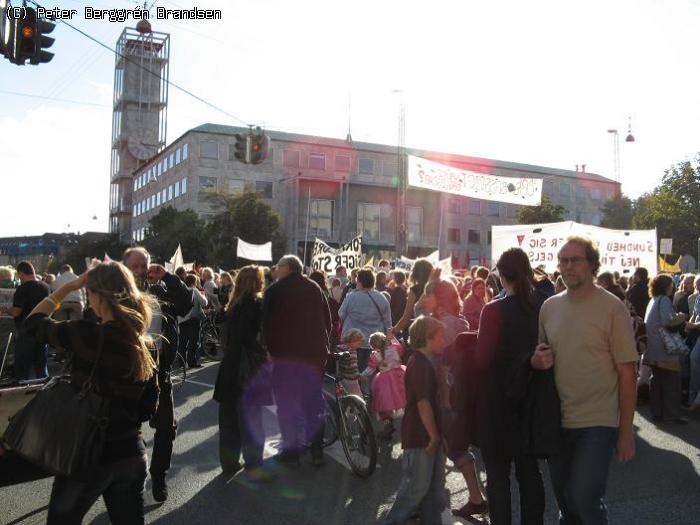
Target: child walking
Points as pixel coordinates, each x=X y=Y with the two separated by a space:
x=348 y=369
x=388 y=387
x=423 y=482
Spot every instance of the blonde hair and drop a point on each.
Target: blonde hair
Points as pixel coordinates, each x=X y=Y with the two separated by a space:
x=353 y=335
x=249 y=281
x=132 y=311
x=7 y=273
x=422 y=330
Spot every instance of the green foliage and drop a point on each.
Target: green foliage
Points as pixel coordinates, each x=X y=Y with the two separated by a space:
x=96 y=247
x=617 y=213
x=546 y=212
x=170 y=227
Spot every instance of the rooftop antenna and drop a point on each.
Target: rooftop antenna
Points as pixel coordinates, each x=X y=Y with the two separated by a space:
x=349 y=137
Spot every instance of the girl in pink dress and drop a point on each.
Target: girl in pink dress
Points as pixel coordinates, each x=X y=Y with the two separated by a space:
x=388 y=388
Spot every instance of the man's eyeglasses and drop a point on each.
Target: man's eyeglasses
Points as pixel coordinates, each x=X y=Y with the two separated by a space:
x=563 y=261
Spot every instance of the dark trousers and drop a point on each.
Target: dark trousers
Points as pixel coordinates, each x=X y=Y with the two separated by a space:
x=297 y=387
x=163 y=420
x=120 y=485
x=30 y=356
x=240 y=430
x=189 y=340
x=665 y=393
x=530 y=485
x=580 y=475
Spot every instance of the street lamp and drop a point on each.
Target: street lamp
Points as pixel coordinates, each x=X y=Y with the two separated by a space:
x=630 y=137
x=616 y=153
x=400 y=239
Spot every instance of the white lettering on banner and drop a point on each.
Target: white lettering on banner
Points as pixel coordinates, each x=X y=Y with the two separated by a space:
x=620 y=250
x=434 y=176
x=327 y=259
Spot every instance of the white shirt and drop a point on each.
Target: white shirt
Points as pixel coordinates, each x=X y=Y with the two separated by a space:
x=77 y=296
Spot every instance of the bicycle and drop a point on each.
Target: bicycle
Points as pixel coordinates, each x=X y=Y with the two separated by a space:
x=178 y=370
x=347 y=419
x=210 y=336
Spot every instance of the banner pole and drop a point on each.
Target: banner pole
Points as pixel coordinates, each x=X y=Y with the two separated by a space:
x=308 y=219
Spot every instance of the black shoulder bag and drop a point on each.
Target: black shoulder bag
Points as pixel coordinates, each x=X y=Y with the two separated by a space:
x=63 y=429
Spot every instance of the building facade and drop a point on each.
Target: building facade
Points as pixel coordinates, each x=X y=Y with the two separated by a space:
x=334 y=189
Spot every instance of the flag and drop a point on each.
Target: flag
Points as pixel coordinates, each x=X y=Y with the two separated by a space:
x=176 y=260
x=370 y=262
x=669 y=268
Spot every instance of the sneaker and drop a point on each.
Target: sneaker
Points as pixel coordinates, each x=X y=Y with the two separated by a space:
x=159 y=487
x=472 y=509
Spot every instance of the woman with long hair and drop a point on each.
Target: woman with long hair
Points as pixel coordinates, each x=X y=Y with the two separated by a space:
x=126 y=374
x=474 y=302
x=420 y=275
x=507 y=338
x=241 y=387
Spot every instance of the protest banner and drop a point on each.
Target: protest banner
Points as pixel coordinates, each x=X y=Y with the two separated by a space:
x=254 y=252
x=6 y=297
x=620 y=250
x=326 y=259
x=423 y=173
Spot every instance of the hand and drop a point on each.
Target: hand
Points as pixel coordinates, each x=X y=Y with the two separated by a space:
x=156 y=272
x=433 y=446
x=435 y=274
x=625 y=445
x=80 y=282
x=543 y=358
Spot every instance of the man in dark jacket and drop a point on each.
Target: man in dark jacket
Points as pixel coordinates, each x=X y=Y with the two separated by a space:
x=638 y=294
x=296 y=327
x=174 y=299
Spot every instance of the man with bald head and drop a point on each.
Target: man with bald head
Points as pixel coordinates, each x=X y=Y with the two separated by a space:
x=174 y=299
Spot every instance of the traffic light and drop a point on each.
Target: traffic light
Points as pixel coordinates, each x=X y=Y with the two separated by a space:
x=259 y=148
x=44 y=27
x=241 y=147
x=22 y=36
x=25 y=33
x=4 y=29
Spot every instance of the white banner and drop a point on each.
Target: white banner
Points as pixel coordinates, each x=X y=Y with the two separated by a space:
x=431 y=175
x=6 y=297
x=326 y=259
x=620 y=250
x=255 y=252
x=404 y=263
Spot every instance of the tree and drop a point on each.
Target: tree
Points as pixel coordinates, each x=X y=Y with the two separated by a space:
x=89 y=246
x=246 y=216
x=546 y=212
x=170 y=227
x=617 y=213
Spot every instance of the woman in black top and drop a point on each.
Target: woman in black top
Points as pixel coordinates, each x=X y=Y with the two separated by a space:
x=506 y=341
x=125 y=374
x=242 y=386
x=420 y=274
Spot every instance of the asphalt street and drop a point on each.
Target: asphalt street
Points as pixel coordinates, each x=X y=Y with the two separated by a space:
x=660 y=486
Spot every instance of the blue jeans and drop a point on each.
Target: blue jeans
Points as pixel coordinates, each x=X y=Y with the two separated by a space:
x=30 y=355
x=694 y=387
x=580 y=475
x=422 y=488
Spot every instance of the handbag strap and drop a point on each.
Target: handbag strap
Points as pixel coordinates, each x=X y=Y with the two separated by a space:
x=369 y=294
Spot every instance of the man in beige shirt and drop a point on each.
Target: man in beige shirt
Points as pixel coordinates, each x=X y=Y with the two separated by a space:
x=586 y=335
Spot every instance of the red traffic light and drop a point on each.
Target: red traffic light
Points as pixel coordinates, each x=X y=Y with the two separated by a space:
x=28 y=32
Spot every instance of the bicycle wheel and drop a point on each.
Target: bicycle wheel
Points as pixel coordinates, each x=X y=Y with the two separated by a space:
x=357 y=436
x=330 y=420
x=178 y=370
x=210 y=340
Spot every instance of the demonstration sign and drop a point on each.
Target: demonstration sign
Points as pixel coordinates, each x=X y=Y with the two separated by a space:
x=326 y=259
x=434 y=176
x=620 y=250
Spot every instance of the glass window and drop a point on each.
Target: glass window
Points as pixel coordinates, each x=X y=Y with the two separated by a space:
x=366 y=166
x=453 y=206
x=184 y=151
x=231 y=152
x=165 y=195
x=165 y=165
x=321 y=213
x=548 y=187
x=317 y=161
x=157 y=173
x=136 y=184
x=171 y=160
x=414 y=223
x=264 y=188
x=236 y=186
x=176 y=191
x=493 y=209
x=342 y=163
x=474 y=237
x=158 y=199
x=291 y=158
x=170 y=192
x=564 y=189
x=183 y=186
x=153 y=201
x=368 y=220
x=453 y=235
x=207 y=183
x=474 y=207
x=209 y=150
x=580 y=193
x=177 y=156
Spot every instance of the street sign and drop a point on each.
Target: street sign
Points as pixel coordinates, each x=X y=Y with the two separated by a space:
x=666 y=247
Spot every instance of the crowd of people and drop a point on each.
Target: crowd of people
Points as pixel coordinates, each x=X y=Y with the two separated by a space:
x=510 y=364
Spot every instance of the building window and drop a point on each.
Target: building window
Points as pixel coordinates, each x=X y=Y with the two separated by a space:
x=342 y=163
x=165 y=165
x=489 y=236
x=453 y=206
x=209 y=150
x=153 y=202
x=317 y=161
x=291 y=158
x=580 y=194
x=493 y=209
x=414 y=223
x=176 y=191
x=474 y=237
x=366 y=166
x=170 y=192
x=136 y=184
x=183 y=186
x=207 y=183
x=548 y=188
x=453 y=235
x=172 y=160
x=157 y=173
x=321 y=213
x=368 y=221
x=264 y=188
x=474 y=207
x=236 y=186
x=165 y=195
x=158 y=199
x=564 y=190
x=595 y=194
x=184 y=151
x=177 y=156
x=231 y=152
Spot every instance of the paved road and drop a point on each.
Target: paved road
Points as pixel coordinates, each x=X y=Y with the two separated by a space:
x=661 y=486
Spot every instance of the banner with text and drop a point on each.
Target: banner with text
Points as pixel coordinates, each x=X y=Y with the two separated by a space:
x=620 y=250
x=431 y=175
x=404 y=263
x=326 y=259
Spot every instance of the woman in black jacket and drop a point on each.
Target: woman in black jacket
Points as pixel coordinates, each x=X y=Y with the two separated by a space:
x=507 y=338
x=242 y=385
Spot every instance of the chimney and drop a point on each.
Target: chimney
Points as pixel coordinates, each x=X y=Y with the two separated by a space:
x=583 y=168
x=576 y=168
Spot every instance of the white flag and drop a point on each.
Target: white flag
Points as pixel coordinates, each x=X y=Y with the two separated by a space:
x=176 y=260
x=255 y=252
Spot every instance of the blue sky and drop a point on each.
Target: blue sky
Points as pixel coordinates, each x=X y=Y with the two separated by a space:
x=537 y=82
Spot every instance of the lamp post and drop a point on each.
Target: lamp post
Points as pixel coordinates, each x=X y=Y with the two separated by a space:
x=400 y=229
x=616 y=147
